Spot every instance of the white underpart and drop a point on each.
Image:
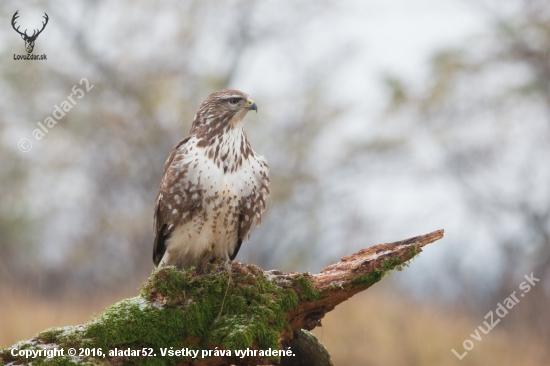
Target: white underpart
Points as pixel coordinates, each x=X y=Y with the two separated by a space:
x=197 y=241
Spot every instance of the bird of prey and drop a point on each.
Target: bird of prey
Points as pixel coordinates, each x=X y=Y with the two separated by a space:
x=213 y=189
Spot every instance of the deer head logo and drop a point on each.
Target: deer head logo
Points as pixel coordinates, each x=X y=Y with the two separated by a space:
x=29 y=40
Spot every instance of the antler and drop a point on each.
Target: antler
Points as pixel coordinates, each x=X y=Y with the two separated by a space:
x=43 y=25
x=34 y=34
x=15 y=16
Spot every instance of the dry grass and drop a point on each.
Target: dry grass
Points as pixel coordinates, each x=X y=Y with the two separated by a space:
x=377 y=328
x=374 y=328
x=22 y=315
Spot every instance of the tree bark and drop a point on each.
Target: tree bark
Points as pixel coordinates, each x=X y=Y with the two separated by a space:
x=355 y=273
x=234 y=307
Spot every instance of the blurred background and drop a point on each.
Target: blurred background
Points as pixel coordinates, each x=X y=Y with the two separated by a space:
x=379 y=120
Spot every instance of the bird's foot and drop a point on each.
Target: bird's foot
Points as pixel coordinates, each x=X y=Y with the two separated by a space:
x=213 y=265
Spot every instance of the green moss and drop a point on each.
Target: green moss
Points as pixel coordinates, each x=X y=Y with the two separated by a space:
x=307 y=291
x=62 y=361
x=392 y=263
x=414 y=250
x=5 y=355
x=368 y=279
x=389 y=264
x=65 y=360
x=50 y=335
x=237 y=308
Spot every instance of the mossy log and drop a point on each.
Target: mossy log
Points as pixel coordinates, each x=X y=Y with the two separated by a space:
x=235 y=314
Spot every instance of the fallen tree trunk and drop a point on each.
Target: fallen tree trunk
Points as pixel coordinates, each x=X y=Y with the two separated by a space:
x=234 y=314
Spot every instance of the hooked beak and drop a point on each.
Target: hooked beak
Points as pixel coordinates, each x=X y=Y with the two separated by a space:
x=252 y=105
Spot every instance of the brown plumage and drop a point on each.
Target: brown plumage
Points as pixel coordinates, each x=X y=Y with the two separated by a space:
x=213 y=188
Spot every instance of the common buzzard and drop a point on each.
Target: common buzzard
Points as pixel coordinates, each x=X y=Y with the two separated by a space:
x=213 y=189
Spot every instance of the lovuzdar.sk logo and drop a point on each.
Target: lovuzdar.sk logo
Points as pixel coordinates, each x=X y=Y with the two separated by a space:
x=29 y=40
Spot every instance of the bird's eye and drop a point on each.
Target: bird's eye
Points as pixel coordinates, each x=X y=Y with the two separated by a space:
x=233 y=101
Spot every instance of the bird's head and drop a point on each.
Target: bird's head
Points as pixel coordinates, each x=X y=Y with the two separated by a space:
x=223 y=108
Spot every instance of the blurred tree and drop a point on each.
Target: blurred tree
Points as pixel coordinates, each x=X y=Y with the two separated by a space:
x=81 y=200
x=487 y=108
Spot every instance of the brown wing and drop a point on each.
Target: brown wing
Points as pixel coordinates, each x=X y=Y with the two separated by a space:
x=163 y=219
